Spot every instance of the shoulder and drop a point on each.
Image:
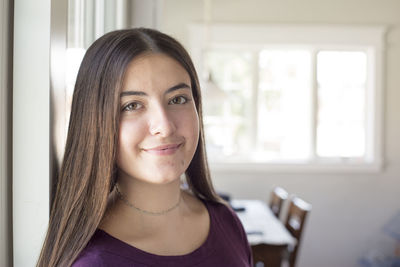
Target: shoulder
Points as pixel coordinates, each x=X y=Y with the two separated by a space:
x=223 y=212
x=100 y=251
x=220 y=214
x=216 y=211
x=90 y=258
x=229 y=227
x=226 y=219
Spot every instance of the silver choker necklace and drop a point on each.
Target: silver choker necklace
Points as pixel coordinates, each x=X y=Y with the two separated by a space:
x=154 y=213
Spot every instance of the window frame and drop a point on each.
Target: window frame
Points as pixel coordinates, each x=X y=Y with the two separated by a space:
x=370 y=39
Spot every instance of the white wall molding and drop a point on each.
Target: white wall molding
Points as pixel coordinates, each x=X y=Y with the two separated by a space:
x=5 y=133
x=31 y=112
x=221 y=33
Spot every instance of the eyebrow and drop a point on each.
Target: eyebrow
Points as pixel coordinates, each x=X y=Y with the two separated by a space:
x=141 y=93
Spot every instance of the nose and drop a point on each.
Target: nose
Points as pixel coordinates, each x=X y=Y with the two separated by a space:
x=161 y=123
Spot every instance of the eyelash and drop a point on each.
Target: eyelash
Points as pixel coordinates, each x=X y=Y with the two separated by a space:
x=128 y=107
x=185 y=99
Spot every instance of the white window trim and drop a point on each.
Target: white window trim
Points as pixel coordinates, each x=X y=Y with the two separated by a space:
x=369 y=38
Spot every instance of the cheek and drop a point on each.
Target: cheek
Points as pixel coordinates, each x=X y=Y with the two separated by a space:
x=130 y=134
x=190 y=126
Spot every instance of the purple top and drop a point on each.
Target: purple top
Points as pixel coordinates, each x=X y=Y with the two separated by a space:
x=226 y=245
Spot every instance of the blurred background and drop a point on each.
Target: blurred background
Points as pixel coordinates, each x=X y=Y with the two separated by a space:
x=301 y=94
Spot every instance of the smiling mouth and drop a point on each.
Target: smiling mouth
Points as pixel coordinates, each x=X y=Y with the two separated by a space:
x=164 y=149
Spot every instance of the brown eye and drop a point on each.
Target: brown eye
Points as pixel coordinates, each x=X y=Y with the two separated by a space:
x=179 y=100
x=132 y=106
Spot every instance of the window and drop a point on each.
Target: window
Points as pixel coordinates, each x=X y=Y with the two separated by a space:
x=290 y=96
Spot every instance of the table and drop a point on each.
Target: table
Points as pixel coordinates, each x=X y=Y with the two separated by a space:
x=260 y=224
x=267 y=235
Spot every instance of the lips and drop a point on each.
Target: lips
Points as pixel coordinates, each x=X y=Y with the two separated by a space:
x=163 y=149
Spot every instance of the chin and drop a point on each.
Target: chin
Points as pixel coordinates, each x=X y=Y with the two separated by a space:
x=163 y=180
x=162 y=177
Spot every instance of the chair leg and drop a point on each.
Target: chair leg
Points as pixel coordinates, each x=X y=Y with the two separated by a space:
x=293 y=257
x=269 y=255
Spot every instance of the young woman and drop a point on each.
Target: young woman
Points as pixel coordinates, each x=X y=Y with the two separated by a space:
x=135 y=129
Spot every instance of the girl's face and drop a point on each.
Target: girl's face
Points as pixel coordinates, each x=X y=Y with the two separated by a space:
x=159 y=125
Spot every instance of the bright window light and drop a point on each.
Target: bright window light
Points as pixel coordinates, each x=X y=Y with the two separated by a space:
x=342 y=80
x=290 y=97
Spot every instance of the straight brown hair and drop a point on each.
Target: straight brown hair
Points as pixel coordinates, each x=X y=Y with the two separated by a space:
x=88 y=170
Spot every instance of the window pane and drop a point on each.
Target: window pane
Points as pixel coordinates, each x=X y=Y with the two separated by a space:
x=226 y=100
x=284 y=127
x=341 y=77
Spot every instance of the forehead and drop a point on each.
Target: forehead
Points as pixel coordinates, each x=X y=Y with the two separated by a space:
x=154 y=70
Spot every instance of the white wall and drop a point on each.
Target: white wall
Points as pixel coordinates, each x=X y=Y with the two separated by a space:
x=349 y=210
x=30 y=128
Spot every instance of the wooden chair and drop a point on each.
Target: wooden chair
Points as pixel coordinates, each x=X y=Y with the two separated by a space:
x=298 y=211
x=268 y=255
x=278 y=196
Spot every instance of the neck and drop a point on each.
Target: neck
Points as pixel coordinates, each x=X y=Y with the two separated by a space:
x=150 y=199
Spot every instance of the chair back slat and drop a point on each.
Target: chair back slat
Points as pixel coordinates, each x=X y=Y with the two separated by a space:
x=278 y=197
x=295 y=221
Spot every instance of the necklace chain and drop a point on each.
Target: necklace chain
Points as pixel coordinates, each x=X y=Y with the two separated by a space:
x=155 y=213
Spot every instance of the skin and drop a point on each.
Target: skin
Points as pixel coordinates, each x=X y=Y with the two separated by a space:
x=159 y=128
x=159 y=132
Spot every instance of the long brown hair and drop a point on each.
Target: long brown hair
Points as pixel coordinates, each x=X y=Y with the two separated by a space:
x=88 y=171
